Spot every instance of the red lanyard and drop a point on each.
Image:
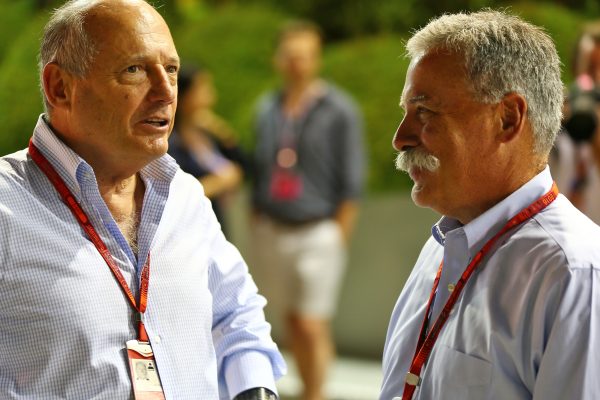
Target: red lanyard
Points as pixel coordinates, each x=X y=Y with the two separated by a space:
x=85 y=223
x=427 y=341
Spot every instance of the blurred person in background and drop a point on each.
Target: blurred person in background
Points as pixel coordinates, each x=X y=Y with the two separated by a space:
x=81 y=210
x=203 y=144
x=309 y=163
x=504 y=299
x=575 y=160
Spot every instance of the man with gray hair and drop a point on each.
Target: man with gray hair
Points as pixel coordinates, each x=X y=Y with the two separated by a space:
x=110 y=255
x=504 y=300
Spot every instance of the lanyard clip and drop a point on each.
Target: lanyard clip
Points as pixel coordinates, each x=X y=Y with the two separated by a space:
x=413 y=379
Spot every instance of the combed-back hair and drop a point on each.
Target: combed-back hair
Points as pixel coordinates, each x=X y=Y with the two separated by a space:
x=502 y=54
x=66 y=42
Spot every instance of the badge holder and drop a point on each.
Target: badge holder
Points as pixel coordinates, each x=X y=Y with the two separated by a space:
x=286 y=184
x=144 y=375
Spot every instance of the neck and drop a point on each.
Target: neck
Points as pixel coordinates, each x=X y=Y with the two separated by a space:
x=110 y=170
x=297 y=89
x=505 y=187
x=124 y=199
x=297 y=95
x=122 y=189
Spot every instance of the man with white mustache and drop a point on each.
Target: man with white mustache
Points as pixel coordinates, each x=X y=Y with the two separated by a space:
x=504 y=300
x=416 y=158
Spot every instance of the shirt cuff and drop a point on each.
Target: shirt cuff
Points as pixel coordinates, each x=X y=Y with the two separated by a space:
x=248 y=370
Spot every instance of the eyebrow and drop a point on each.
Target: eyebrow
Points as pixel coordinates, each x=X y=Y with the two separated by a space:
x=412 y=100
x=142 y=58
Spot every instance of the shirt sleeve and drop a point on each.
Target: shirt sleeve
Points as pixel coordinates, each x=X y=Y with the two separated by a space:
x=246 y=355
x=571 y=360
x=352 y=157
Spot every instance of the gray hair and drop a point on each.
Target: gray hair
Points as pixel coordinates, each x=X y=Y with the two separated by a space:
x=66 y=42
x=503 y=54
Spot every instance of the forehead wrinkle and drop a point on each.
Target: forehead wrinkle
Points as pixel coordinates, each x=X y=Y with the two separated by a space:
x=143 y=58
x=152 y=33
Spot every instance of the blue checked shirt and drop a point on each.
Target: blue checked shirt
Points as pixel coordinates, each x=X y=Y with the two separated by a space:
x=526 y=324
x=64 y=319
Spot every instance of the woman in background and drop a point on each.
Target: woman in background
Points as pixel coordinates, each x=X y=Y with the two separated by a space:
x=202 y=143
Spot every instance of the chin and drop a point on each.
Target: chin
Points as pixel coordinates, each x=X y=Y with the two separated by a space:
x=158 y=145
x=420 y=196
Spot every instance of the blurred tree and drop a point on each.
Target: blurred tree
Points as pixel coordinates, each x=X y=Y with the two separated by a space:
x=235 y=39
x=576 y=4
x=47 y=4
x=342 y=19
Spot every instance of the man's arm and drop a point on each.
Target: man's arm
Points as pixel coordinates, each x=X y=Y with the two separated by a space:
x=345 y=216
x=570 y=364
x=352 y=169
x=246 y=355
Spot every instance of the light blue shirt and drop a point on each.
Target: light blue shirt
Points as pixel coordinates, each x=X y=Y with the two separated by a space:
x=64 y=319
x=527 y=323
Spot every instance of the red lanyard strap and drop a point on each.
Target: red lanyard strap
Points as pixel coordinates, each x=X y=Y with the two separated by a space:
x=85 y=223
x=427 y=341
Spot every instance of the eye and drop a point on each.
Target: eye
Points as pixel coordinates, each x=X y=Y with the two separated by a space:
x=132 y=69
x=172 y=69
x=422 y=110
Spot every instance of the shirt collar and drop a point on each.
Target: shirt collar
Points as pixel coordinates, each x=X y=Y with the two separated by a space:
x=482 y=228
x=71 y=167
x=64 y=160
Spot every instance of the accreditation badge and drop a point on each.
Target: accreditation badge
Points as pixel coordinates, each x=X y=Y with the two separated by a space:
x=142 y=368
x=286 y=185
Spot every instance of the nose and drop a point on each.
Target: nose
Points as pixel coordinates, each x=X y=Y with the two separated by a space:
x=163 y=87
x=404 y=137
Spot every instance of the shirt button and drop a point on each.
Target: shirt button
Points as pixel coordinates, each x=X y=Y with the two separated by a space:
x=451 y=287
x=156 y=339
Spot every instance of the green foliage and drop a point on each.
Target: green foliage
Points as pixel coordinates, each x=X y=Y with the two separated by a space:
x=14 y=18
x=20 y=99
x=351 y=18
x=236 y=43
x=373 y=71
x=562 y=24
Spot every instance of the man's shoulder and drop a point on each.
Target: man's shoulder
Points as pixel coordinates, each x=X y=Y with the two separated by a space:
x=569 y=232
x=340 y=98
x=185 y=184
x=13 y=168
x=186 y=191
x=268 y=101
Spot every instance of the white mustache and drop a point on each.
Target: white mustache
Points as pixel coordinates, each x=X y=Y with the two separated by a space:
x=416 y=158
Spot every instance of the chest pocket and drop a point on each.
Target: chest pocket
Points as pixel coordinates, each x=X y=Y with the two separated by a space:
x=455 y=375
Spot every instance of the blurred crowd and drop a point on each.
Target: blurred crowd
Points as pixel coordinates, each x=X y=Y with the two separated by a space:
x=575 y=160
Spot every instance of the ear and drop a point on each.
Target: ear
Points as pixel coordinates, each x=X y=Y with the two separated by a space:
x=513 y=112
x=57 y=84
